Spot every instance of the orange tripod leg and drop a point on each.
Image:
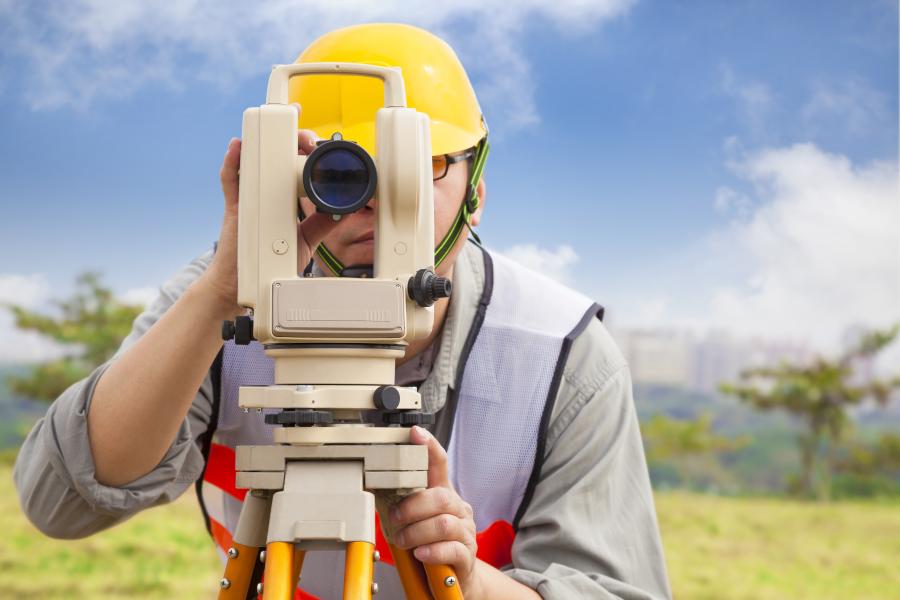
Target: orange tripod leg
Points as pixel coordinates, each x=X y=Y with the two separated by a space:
x=359 y=570
x=238 y=572
x=278 y=581
x=443 y=582
x=412 y=575
x=298 y=565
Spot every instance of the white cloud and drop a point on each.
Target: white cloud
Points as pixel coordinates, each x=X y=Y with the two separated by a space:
x=852 y=105
x=754 y=99
x=17 y=346
x=25 y=290
x=77 y=52
x=729 y=201
x=819 y=252
x=555 y=263
x=139 y=296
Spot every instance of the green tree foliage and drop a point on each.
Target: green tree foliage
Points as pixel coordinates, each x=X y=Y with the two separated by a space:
x=869 y=468
x=92 y=322
x=666 y=438
x=820 y=394
x=687 y=451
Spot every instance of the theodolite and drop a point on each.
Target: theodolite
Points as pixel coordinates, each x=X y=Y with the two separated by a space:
x=342 y=426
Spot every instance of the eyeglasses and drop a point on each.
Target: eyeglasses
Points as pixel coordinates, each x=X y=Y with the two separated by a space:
x=441 y=164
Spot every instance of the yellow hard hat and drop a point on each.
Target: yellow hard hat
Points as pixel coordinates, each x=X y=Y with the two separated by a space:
x=436 y=84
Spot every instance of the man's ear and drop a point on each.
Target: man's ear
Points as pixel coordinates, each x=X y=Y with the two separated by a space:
x=481 y=188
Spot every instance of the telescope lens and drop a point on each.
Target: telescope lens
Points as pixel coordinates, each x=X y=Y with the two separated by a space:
x=339 y=177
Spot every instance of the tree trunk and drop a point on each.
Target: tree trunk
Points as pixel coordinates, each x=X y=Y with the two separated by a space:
x=808 y=445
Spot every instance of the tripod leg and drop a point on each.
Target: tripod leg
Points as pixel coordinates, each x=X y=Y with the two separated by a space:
x=443 y=582
x=298 y=565
x=412 y=575
x=279 y=571
x=359 y=570
x=238 y=572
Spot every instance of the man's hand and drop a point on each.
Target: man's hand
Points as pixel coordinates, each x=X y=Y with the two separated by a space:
x=436 y=521
x=222 y=272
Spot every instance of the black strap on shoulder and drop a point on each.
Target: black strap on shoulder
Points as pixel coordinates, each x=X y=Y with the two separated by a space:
x=486 y=293
x=594 y=312
x=215 y=375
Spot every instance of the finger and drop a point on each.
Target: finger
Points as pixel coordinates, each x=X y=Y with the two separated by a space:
x=437 y=457
x=313 y=229
x=425 y=504
x=439 y=528
x=228 y=174
x=454 y=554
x=306 y=141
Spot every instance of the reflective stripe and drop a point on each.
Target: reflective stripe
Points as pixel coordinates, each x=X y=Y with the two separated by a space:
x=220 y=470
x=220 y=534
x=495 y=544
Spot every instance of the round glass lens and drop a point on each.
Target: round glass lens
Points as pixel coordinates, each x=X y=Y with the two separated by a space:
x=340 y=178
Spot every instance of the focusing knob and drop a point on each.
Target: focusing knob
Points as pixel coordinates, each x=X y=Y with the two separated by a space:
x=243 y=330
x=300 y=418
x=425 y=287
x=408 y=418
x=386 y=397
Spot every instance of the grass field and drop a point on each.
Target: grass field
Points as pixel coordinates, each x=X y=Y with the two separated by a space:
x=717 y=548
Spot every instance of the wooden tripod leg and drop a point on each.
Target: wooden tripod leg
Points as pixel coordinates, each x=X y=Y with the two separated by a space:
x=238 y=572
x=359 y=570
x=278 y=577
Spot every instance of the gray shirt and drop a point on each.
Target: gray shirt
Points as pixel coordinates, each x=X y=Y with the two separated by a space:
x=590 y=530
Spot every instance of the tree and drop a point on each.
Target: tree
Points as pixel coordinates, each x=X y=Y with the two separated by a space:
x=92 y=322
x=820 y=394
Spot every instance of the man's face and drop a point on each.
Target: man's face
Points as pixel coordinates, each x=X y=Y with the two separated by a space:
x=353 y=240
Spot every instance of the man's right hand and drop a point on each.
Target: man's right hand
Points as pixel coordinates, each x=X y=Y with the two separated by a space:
x=221 y=275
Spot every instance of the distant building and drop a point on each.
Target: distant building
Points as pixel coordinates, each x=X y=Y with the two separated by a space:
x=698 y=362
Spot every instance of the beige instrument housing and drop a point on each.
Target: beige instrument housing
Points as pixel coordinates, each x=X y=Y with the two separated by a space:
x=289 y=308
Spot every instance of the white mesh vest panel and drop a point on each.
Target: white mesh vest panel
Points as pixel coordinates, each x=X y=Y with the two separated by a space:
x=501 y=398
x=505 y=387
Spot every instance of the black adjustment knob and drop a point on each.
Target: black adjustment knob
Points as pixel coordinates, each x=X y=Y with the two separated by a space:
x=300 y=418
x=386 y=397
x=425 y=287
x=243 y=330
x=408 y=418
x=227 y=330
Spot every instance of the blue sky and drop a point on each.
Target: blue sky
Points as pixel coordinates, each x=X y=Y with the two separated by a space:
x=664 y=157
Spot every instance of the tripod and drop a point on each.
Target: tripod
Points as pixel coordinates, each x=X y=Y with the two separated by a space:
x=306 y=498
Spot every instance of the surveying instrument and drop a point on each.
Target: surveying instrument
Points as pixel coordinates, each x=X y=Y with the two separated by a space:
x=342 y=426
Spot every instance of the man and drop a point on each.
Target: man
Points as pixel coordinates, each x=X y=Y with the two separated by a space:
x=542 y=490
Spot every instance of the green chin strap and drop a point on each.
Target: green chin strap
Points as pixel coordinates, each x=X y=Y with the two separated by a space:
x=468 y=208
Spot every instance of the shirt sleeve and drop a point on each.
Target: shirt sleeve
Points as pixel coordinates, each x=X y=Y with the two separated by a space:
x=590 y=530
x=54 y=470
